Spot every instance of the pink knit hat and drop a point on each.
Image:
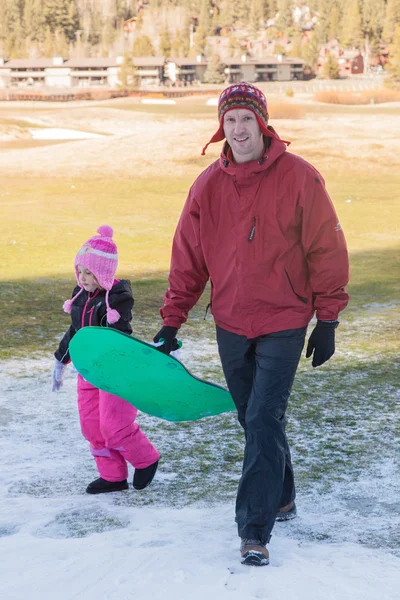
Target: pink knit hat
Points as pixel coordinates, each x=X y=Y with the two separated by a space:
x=248 y=96
x=100 y=256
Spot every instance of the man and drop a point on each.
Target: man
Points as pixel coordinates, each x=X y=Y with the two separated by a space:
x=260 y=225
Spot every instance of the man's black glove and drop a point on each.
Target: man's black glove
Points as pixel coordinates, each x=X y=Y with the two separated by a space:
x=168 y=334
x=322 y=342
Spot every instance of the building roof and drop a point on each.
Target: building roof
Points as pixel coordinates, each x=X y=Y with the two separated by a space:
x=149 y=61
x=265 y=60
x=181 y=62
x=26 y=63
x=81 y=63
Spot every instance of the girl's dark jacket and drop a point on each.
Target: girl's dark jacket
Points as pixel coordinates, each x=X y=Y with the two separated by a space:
x=90 y=309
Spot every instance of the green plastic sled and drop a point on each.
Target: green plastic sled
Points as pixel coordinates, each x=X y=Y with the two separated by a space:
x=155 y=383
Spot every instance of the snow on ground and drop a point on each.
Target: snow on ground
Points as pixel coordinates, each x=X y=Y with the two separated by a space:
x=58 y=133
x=173 y=540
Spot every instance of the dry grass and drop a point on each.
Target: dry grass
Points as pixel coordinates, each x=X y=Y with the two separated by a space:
x=285 y=110
x=363 y=97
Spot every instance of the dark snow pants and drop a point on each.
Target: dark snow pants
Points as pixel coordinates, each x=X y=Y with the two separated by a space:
x=259 y=373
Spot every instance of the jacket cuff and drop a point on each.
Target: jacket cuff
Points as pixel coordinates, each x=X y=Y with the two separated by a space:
x=171 y=322
x=324 y=315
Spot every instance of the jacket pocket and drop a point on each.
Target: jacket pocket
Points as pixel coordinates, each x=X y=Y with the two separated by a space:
x=302 y=298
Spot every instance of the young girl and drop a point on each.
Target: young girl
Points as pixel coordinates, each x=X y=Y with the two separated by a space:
x=107 y=421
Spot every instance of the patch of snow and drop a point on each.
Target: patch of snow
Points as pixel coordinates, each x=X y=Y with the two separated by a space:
x=57 y=541
x=58 y=133
x=157 y=101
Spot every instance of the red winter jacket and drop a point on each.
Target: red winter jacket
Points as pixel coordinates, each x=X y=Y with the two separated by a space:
x=266 y=234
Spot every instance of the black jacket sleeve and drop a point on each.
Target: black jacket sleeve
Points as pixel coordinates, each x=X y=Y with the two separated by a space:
x=62 y=353
x=124 y=307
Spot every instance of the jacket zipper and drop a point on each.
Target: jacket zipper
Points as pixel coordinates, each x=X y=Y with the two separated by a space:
x=302 y=298
x=253 y=231
x=91 y=310
x=210 y=303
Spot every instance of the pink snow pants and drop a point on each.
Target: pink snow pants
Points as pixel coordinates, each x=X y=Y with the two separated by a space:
x=107 y=422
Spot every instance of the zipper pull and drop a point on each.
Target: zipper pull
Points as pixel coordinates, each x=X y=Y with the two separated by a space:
x=253 y=230
x=207 y=307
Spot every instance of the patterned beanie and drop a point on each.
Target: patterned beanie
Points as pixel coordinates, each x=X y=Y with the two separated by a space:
x=243 y=95
x=100 y=256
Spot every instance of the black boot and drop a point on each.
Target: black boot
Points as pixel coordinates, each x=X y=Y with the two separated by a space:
x=143 y=477
x=102 y=486
x=287 y=513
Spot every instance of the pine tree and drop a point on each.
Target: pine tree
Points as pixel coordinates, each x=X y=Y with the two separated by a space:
x=127 y=75
x=392 y=19
x=177 y=45
x=310 y=53
x=352 y=26
x=215 y=70
x=63 y=15
x=324 y=21
x=334 y=22
x=394 y=61
x=256 y=17
x=49 y=44
x=165 y=43
x=285 y=19
x=331 y=68
x=142 y=46
x=33 y=20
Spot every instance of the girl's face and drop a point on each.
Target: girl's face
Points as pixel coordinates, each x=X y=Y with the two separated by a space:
x=87 y=280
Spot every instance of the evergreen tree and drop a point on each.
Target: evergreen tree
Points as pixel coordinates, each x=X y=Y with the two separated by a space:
x=62 y=15
x=324 y=21
x=61 y=44
x=310 y=52
x=165 y=43
x=33 y=19
x=127 y=75
x=256 y=17
x=394 y=61
x=215 y=70
x=177 y=45
x=270 y=8
x=392 y=19
x=108 y=35
x=142 y=46
x=331 y=68
x=334 y=22
x=139 y=20
x=372 y=17
x=352 y=26
x=285 y=19
x=49 y=44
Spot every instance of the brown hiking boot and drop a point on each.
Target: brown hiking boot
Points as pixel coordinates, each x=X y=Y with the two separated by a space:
x=287 y=513
x=253 y=553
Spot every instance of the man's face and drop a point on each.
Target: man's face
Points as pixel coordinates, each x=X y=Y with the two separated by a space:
x=243 y=134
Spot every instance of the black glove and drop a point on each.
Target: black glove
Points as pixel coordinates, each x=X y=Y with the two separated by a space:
x=169 y=336
x=322 y=342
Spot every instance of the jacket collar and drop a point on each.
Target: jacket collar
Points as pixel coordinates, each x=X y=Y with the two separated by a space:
x=274 y=148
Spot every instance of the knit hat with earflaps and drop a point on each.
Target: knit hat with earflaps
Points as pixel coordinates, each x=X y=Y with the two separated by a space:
x=243 y=95
x=100 y=256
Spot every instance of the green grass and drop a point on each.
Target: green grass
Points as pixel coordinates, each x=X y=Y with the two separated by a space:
x=48 y=220
x=342 y=417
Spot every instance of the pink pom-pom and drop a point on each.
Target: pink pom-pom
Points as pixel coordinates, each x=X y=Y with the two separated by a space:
x=67 y=306
x=113 y=315
x=105 y=231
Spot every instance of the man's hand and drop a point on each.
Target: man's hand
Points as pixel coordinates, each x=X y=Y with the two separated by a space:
x=168 y=334
x=58 y=375
x=321 y=344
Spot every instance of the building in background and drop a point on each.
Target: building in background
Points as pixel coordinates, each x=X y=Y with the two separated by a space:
x=151 y=71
